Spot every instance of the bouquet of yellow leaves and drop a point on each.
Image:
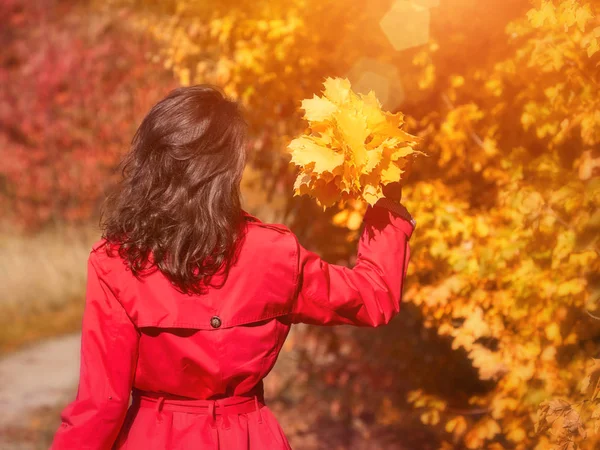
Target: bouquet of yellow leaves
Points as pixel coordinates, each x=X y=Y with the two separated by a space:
x=352 y=148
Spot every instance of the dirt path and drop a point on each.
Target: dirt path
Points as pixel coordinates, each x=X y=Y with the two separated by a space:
x=37 y=377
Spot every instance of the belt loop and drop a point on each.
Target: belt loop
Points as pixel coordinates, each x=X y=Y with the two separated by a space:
x=159 y=404
x=211 y=413
x=257 y=409
x=225 y=417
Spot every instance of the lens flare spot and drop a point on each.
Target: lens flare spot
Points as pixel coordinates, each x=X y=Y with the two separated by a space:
x=406 y=25
x=369 y=74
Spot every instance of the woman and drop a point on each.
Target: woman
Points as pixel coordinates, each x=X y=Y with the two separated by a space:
x=190 y=298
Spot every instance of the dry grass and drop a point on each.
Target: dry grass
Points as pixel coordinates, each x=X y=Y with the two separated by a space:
x=42 y=279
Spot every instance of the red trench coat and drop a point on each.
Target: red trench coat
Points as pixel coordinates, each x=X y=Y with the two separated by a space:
x=169 y=348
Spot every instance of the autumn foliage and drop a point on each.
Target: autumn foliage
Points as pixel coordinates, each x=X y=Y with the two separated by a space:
x=504 y=283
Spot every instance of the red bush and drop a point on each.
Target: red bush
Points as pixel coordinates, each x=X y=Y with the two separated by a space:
x=74 y=83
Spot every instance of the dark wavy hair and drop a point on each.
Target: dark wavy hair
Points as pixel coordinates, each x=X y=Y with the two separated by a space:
x=177 y=208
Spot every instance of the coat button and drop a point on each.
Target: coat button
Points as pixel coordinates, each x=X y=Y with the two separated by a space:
x=215 y=322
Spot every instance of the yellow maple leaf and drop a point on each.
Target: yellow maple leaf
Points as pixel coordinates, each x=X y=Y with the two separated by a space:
x=352 y=147
x=318 y=109
x=306 y=151
x=337 y=89
x=546 y=13
x=582 y=16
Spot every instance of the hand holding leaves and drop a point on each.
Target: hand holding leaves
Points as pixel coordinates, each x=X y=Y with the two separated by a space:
x=393 y=191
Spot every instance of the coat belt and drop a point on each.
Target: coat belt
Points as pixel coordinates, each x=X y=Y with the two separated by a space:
x=238 y=404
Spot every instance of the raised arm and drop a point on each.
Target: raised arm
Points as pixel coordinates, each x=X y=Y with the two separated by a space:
x=109 y=344
x=368 y=294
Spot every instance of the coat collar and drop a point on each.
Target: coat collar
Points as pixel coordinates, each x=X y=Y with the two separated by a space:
x=250 y=217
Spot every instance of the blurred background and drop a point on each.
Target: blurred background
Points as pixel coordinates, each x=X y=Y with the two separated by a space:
x=495 y=346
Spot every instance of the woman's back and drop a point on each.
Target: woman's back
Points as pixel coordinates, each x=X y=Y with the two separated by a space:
x=192 y=355
x=220 y=343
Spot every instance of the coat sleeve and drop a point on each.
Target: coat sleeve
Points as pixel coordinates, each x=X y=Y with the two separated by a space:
x=109 y=346
x=368 y=294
